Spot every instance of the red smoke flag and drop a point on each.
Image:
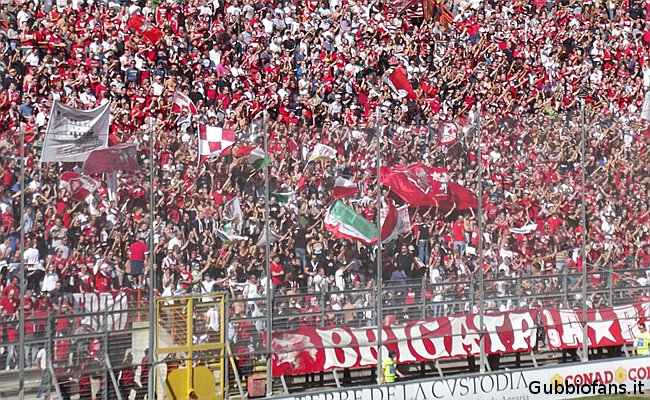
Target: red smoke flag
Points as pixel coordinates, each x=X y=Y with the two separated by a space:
x=182 y=104
x=121 y=157
x=400 y=84
x=344 y=188
x=140 y=24
x=214 y=141
x=80 y=186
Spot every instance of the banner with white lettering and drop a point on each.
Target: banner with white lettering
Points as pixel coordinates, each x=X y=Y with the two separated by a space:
x=113 y=306
x=313 y=350
x=72 y=134
x=609 y=326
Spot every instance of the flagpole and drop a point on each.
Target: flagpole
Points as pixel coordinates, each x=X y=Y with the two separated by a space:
x=152 y=272
x=21 y=274
x=267 y=266
x=583 y=148
x=380 y=271
x=481 y=292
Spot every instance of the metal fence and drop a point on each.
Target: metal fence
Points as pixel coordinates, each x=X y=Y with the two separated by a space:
x=99 y=354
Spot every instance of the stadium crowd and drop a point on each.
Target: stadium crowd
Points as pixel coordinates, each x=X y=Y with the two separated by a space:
x=316 y=69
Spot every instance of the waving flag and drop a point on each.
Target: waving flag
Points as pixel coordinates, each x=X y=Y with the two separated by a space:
x=121 y=157
x=228 y=235
x=394 y=221
x=261 y=241
x=322 y=152
x=214 y=141
x=73 y=134
x=254 y=155
x=448 y=134
x=232 y=213
x=344 y=188
x=284 y=196
x=141 y=25
x=80 y=186
x=399 y=83
x=345 y=223
x=182 y=104
x=423 y=186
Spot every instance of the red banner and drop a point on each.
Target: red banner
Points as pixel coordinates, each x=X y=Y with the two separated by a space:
x=611 y=326
x=313 y=350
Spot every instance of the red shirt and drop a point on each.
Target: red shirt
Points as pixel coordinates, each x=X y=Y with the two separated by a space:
x=459 y=231
x=138 y=250
x=9 y=304
x=102 y=282
x=275 y=268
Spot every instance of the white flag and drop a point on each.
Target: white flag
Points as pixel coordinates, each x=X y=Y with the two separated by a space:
x=228 y=236
x=321 y=152
x=262 y=239
x=530 y=228
x=232 y=212
x=73 y=134
x=645 y=111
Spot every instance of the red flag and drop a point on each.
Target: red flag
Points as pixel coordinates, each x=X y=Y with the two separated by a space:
x=344 y=188
x=145 y=28
x=420 y=185
x=80 y=186
x=122 y=157
x=243 y=151
x=398 y=81
x=182 y=104
x=463 y=197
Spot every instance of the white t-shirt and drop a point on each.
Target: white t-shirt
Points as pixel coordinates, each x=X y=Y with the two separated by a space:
x=49 y=281
x=338 y=278
x=213 y=319
x=31 y=257
x=42 y=357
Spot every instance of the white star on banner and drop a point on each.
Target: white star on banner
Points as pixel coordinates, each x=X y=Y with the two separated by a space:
x=602 y=329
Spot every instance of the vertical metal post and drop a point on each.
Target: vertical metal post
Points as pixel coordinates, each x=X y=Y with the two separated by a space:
x=380 y=266
x=50 y=354
x=21 y=273
x=481 y=293
x=105 y=344
x=267 y=266
x=583 y=154
x=610 y=285
x=152 y=268
x=223 y=337
x=189 y=343
x=565 y=287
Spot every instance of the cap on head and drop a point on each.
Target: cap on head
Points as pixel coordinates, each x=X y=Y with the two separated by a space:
x=392 y=353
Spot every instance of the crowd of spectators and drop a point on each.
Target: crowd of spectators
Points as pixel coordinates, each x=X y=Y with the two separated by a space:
x=315 y=68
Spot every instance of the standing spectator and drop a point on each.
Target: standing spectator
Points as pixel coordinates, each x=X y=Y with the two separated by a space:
x=458 y=234
x=138 y=256
x=127 y=376
x=46 y=384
